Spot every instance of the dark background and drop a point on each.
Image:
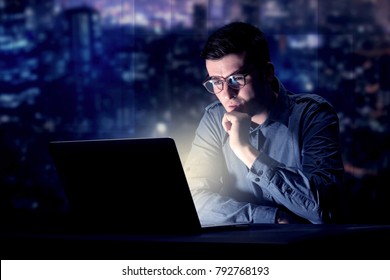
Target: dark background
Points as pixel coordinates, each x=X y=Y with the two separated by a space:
x=116 y=68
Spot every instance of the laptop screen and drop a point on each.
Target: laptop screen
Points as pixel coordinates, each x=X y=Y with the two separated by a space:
x=127 y=185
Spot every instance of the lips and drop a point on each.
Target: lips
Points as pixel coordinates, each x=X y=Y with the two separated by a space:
x=234 y=106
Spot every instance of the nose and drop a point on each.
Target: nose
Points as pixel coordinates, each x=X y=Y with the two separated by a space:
x=228 y=93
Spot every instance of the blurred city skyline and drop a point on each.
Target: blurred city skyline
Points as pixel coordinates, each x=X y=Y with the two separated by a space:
x=171 y=13
x=73 y=69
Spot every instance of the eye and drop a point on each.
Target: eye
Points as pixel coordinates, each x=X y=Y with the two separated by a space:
x=237 y=80
x=216 y=82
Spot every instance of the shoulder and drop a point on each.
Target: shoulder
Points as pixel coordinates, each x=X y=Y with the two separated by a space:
x=210 y=127
x=293 y=99
x=309 y=107
x=309 y=100
x=308 y=97
x=213 y=114
x=214 y=106
x=214 y=110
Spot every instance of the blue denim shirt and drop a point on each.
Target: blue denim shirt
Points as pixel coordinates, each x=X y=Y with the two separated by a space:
x=299 y=168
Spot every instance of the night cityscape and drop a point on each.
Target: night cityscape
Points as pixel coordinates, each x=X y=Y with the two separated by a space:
x=74 y=69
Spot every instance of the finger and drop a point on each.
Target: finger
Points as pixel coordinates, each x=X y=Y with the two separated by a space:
x=227 y=126
x=226 y=123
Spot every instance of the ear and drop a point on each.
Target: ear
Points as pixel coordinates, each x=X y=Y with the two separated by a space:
x=269 y=72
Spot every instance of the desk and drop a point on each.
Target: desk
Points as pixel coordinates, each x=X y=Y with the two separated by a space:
x=261 y=242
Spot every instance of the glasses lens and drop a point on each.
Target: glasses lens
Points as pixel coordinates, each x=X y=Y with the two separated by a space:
x=213 y=85
x=236 y=81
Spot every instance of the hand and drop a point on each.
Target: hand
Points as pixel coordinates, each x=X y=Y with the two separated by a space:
x=237 y=125
x=285 y=217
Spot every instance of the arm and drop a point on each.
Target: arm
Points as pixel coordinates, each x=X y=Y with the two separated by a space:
x=237 y=125
x=205 y=167
x=312 y=190
x=307 y=191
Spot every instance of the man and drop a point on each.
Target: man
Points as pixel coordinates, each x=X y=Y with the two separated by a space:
x=261 y=154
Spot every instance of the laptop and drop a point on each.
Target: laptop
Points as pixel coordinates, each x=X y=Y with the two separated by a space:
x=126 y=185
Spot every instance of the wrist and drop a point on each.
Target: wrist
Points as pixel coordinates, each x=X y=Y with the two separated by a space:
x=248 y=155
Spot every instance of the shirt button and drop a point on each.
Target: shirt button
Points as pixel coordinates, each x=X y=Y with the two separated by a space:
x=289 y=190
x=260 y=172
x=257 y=179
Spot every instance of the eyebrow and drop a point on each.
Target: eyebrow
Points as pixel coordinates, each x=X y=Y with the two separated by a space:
x=235 y=72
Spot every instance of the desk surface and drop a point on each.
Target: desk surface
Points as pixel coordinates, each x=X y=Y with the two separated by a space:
x=260 y=242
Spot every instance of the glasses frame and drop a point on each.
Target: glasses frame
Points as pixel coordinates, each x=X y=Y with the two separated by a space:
x=226 y=79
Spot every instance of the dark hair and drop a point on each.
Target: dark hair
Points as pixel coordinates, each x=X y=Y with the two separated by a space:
x=235 y=38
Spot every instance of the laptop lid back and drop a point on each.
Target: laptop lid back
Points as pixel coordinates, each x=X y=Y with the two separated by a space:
x=135 y=185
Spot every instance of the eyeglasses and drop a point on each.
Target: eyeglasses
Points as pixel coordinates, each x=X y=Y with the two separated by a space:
x=214 y=85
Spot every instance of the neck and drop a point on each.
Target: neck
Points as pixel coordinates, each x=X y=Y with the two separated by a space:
x=261 y=116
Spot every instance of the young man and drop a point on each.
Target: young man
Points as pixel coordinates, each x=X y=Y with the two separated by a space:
x=261 y=154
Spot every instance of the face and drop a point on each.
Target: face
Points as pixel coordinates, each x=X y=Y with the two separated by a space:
x=247 y=99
